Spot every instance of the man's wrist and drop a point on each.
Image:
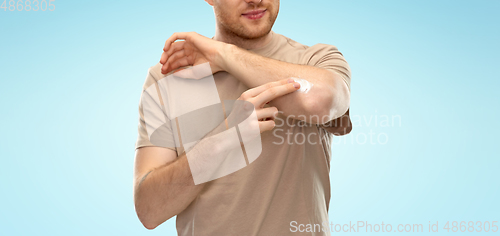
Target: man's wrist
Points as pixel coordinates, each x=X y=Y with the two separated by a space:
x=226 y=56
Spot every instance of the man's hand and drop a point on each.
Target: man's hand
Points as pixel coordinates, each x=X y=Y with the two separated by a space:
x=195 y=49
x=262 y=95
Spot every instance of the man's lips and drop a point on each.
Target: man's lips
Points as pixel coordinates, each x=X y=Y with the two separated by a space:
x=255 y=14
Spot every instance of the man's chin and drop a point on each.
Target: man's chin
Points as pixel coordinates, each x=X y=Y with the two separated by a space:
x=255 y=33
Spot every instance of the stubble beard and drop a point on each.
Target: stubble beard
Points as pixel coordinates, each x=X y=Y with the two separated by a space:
x=237 y=31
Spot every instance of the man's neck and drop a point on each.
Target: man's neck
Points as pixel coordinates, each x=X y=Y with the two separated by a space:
x=228 y=37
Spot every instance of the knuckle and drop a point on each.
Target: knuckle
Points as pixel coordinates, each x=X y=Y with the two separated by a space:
x=244 y=96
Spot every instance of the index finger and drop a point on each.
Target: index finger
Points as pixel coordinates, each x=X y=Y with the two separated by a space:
x=253 y=92
x=274 y=92
x=173 y=38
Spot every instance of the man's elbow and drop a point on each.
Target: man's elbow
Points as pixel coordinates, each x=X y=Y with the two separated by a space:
x=325 y=107
x=148 y=215
x=145 y=218
x=149 y=225
x=152 y=216
x=148 y=220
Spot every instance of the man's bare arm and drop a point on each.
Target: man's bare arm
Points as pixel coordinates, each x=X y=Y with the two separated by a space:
x=328 y=99
x=161 y=179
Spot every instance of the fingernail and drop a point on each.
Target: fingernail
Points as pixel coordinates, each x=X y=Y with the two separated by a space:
x=296 y=85
x=291 y=80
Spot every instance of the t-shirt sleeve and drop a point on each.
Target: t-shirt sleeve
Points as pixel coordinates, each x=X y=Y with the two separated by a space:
x=329 y=57
x=155 y=129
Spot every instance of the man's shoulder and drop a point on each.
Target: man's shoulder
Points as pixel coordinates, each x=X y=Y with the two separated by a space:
x=153 y=76
x=292 y=43
x=155 y=71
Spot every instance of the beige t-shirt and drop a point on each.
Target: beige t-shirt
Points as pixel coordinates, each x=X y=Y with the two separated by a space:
x=290 y=179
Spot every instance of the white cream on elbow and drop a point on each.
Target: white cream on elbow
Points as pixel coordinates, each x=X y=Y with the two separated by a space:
x=305 y=86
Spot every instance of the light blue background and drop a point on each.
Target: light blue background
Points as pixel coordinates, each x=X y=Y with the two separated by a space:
x=70 y=82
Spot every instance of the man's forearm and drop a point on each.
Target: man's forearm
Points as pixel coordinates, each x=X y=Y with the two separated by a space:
x=328 y=98
x=167 y=190
x=164 y=192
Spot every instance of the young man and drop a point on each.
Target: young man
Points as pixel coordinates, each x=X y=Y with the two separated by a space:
x=289 y=182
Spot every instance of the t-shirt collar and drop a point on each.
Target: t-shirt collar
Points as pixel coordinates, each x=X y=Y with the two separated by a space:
x=266 y=49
